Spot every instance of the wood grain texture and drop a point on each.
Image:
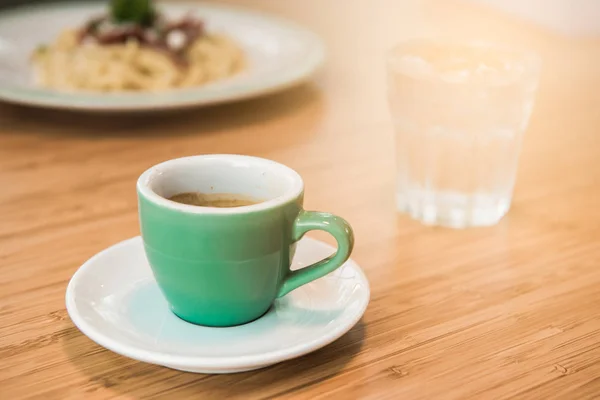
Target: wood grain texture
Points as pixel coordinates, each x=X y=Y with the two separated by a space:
x=511 y=311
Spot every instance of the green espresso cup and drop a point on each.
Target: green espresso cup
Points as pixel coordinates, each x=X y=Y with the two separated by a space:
x=226 y=266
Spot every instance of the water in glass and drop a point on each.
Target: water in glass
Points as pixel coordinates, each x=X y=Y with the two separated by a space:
x=459 y=113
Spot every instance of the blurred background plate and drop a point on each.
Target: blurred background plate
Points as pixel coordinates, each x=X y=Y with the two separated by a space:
x=280 y=54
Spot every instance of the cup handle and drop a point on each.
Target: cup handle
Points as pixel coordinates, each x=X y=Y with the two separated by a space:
x=334 y=225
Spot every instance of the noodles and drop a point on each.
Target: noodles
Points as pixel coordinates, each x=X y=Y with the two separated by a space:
x=69 y=64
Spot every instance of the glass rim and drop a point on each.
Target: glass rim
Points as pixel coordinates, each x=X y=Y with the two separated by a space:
x=529 y=60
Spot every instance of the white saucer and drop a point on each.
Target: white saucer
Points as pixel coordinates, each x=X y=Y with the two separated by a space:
x=114 y=300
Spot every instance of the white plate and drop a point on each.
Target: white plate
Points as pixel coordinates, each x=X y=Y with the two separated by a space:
x=114 y=300
x=280 y=54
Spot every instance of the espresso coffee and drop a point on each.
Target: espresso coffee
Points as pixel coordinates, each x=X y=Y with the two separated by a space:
x=221 y=200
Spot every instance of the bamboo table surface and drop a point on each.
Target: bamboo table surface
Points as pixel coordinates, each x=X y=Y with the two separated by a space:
x=511 y=311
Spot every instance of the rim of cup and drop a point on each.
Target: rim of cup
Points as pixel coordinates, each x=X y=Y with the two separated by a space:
x=295 y=189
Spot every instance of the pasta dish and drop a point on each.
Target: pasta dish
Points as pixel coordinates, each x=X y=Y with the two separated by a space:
x=135 y=48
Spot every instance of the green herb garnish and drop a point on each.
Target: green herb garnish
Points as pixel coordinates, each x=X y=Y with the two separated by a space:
x=133 y=11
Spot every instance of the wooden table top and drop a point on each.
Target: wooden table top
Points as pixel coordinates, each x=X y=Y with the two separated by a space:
x=511 y=311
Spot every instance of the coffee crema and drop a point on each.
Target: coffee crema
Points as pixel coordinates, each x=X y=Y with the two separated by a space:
x=219 y=200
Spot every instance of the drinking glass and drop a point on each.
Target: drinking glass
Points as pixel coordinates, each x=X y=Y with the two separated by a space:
x=459 y=112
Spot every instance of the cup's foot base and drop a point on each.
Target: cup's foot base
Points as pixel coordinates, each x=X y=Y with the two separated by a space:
x=224 y=323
